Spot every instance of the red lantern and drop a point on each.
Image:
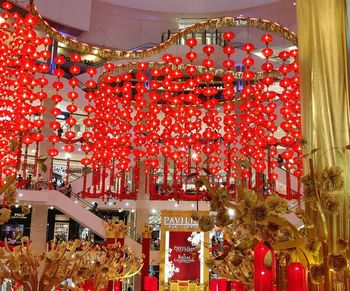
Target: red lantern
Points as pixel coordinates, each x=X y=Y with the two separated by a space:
x=297 y=279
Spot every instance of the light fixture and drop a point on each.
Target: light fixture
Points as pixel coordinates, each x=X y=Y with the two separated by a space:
x=231 y=212
x=154 y=211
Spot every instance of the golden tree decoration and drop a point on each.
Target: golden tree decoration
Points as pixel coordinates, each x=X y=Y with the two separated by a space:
x=10 y=197
x=77 y=261
x=260 y=218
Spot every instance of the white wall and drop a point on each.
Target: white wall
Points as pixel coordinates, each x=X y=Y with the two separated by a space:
x=124 y=28
x=74 y=13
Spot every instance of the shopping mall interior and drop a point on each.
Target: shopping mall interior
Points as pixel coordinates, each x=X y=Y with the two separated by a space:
x=174 y=145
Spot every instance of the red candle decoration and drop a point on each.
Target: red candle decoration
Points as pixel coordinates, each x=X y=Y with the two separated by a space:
x=263 y=277
x=297 y=277
x=237 y=286
x=213 y=284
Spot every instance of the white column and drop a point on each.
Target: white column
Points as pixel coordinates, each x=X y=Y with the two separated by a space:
x=38 y=227
x=142 y=214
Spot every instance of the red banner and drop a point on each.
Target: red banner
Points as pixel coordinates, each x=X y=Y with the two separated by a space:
x=184 y=263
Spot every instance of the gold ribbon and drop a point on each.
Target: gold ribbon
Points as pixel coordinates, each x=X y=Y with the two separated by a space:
x=112 y=54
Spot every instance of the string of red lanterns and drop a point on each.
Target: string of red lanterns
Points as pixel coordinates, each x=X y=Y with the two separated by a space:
x=172 y=123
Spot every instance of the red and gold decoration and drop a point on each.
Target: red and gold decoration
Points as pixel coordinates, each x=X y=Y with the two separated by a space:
x=261 y=242
x=167 y=121
x=265 y=25
x=183 y=252
x=146 y=281
x=78 y=261
x=197 y=130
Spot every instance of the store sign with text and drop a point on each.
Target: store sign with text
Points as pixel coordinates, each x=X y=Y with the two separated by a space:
x=184 y=258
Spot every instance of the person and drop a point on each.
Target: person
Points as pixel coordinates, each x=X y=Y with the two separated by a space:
x=69 y=190
x=94 y=208
x=19 y=178
x=59 y=132
x=130 y=288
x=280 y=161
x=29 y=182
x=214 y=240
x=157 y=244
x=54 y=183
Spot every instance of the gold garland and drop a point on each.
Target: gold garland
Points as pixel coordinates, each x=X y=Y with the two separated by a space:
x=111 y=54
x=132 y=66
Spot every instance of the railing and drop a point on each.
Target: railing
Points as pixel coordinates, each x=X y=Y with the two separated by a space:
x=86 y=203
x=134 y=236
x=144 y=46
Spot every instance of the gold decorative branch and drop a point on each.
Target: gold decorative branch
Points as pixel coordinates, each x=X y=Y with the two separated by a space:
x=78 y=261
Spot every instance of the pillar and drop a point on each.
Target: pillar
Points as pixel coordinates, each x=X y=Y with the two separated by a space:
x=142 y=214
x=115 y=233
x=325 y=104
x=38 y=226
x=263 y=277
x=45 y=144
x=146 y=245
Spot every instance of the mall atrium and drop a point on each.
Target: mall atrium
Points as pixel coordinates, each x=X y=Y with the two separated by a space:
x=174 y=145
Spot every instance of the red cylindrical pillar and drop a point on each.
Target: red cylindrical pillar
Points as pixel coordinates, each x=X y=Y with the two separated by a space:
x=146 y=245
x=120 y=238
x=213 y=284
x=237 y=286
x=296 y=277
x=262 y=274
x=222 y=284
x=154 y=284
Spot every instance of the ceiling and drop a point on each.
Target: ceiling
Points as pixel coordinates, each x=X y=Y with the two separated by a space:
x=192 y=6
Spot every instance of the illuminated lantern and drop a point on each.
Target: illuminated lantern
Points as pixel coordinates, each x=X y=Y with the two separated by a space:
x=297 y=279
x=263 y=278
x=52 y=152
x=69 y=148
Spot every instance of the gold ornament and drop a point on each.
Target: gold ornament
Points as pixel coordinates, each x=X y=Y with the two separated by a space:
x=77 y=261
x=111 y=54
